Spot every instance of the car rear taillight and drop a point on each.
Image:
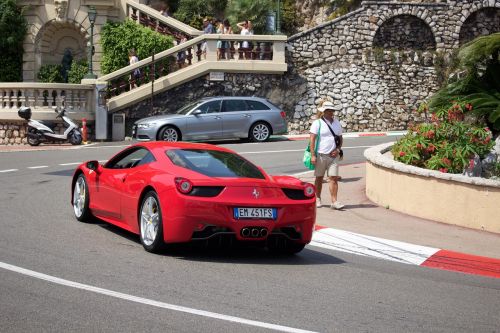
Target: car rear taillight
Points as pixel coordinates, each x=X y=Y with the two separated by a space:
x=183 y=185
x=283 y=114
x=309 y=191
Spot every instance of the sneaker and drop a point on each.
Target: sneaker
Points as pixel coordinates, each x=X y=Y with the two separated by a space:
x=318 y=202
x=337 y=205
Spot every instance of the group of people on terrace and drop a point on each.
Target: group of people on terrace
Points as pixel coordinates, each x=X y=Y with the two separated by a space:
x=224 y=27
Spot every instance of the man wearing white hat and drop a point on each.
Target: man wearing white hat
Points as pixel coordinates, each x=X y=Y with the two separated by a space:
x=324 y=131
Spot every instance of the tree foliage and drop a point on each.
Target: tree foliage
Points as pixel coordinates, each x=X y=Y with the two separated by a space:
x=480 y=86
x=252 y=10
x=118 y=39
x=192 y=12
x=342 y=7
x=13 y=28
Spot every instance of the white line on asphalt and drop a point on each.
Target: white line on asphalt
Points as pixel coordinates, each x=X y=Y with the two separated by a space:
x=98 y=147
x=146 y=301
x=38 y=167
x=74 y=163
x=8 y=170
x=293 y=150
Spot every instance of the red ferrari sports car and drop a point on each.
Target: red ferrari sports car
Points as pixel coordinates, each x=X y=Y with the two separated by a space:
x=179 y=192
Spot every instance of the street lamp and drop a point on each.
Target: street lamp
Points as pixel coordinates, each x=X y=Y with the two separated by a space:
x=278 y=21
x=92 y=13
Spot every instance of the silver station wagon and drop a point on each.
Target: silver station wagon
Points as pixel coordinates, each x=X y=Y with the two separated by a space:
x=213 y=118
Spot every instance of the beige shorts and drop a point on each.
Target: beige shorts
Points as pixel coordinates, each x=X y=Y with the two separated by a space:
x=326 y=164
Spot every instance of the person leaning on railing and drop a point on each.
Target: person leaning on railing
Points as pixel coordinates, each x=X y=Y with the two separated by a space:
x=246 y=29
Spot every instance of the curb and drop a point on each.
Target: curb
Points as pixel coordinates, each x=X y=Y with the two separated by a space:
x=406 y=253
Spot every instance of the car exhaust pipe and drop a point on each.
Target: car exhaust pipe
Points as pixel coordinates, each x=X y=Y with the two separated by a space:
x=255 y=232
x=245 y=232
x=263 y=232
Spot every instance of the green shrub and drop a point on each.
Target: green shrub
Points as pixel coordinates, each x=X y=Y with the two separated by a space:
x=13 y=28
x=77 y=71
x=446 y=142
x=50 y=74
x=479 y=60
x=117 y=39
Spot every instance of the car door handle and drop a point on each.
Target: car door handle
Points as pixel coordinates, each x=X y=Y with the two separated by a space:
x=124 y=178
x=247 y=115
x=218 y=117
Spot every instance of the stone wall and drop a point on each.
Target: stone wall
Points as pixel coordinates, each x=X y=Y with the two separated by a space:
x=13 y=133
x=375 y=64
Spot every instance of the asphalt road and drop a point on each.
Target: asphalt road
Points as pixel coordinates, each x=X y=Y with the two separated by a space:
x=60 y=275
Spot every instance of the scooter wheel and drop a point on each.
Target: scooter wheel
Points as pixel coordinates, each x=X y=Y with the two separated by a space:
x=75 y=138
x=33 y=141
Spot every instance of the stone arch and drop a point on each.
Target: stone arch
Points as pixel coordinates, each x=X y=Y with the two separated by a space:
x=54 y=38
x=405 y=31
x=483 y=21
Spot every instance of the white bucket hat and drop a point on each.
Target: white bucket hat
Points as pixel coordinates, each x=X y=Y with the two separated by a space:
x=326 y=106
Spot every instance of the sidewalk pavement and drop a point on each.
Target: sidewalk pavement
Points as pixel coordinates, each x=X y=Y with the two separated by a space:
x=361 y=216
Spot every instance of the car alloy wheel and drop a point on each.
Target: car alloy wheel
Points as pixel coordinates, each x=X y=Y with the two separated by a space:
x=169 y=134
x=81 y=199
x=151 y=223
x=260 y=132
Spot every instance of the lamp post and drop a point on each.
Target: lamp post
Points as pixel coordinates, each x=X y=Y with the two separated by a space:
x=92 y=13
x=278 y=20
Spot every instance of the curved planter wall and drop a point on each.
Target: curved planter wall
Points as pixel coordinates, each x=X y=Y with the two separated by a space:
x=449 y=198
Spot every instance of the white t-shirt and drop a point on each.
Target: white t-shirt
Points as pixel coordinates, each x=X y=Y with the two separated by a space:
x=245 y=32
x=326 y=139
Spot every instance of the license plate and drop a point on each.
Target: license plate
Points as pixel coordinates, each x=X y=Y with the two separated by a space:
x=255 y=213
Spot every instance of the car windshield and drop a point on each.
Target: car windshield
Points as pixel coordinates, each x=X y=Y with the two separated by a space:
x=187 y=108
x=214 y=163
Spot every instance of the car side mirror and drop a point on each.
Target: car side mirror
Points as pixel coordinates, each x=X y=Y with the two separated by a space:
x=196 y=112
x=94 y=166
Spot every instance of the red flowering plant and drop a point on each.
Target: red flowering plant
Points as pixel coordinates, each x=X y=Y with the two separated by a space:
x=445 y=141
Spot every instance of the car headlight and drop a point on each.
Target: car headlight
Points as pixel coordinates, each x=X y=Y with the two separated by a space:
x=146 y=125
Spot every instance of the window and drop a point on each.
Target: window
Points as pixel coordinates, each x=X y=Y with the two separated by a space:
x=254 y=105
x=232 y=105
x=214 y=163
x=131 y=158
x=210 y=107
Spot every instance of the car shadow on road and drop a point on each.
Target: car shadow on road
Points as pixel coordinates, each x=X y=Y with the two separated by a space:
x=228 y=252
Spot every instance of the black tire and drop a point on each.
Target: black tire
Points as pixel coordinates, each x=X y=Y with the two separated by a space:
x=170 y=134
x=75 y=138
x=33 y=141
x=150 y=216
x=259 y=132
x=81 y=199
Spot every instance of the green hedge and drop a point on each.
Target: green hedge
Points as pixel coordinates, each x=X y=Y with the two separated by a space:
x=13 y=28
x=118 y=38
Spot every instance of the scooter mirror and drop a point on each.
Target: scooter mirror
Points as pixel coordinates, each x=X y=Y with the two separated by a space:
x=93 y=165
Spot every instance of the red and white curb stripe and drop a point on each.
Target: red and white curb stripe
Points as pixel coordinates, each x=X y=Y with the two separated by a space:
x=406 y=253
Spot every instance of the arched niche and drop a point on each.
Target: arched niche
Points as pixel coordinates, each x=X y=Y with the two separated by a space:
x=403 y=32
x=55 y=38
x=482 y=22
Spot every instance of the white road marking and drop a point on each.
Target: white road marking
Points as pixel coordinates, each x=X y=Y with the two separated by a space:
x=38 y=167
x=292 y=150
x=74 y=163
x=146 y=301
x=346 y=241
x=8 y=170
